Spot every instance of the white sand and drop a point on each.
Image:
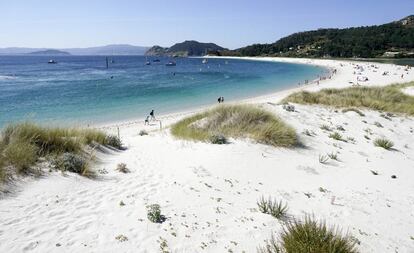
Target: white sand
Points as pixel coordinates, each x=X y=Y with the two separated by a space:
x=208 y=192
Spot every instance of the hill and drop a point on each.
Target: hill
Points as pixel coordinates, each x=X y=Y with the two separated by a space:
x=394 y=39
x=49 y=52
x=186 y=48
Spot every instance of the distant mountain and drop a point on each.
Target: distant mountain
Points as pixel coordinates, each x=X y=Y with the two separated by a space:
x=186 y=48
x=49 y=52
x=120 y=49
x=394 y=39
x=117 y=49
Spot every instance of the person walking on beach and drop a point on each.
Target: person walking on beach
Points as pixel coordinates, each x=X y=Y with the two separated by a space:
x=152 y=115
x=146 y=122
x=219 y=100
x=222 y=99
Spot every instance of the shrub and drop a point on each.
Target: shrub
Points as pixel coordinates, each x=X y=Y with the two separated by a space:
x=273 y=207
x=383 y=143
x=310 y=236
x=154 y=213
x=73 y=163
x=218 y=139
x=113 y=141
x=387 y=98
x=238 y=121
x=378 y=124
x=122 y=167
x=143 y=132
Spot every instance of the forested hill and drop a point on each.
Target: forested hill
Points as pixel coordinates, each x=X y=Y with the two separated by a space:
x=394 y=39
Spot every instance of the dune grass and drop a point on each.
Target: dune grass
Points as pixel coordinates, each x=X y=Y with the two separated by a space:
x=237 y=121
x=309 y=236
x=23 y=145
x=383 y=143
x=387 y=98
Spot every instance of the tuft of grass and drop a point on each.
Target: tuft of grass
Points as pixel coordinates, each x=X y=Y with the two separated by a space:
x=323 y=159
x=387 y=98
x=336 y=136
x=354 y=110
x=218 y=139
x=275 y=208
x=310 y=236
x=333 y=156
x=237 y=121
x=326 y=128
x=383 y=143
x=23 y=145
x=122 y=167
x=143 y=132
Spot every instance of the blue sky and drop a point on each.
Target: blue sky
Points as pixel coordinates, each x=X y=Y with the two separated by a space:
x=229 y=23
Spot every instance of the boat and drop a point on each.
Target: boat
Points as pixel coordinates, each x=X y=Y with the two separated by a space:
x=171 y=63
x=156 y=60
x=147 y=63
x=205 y=61
x=52 y=62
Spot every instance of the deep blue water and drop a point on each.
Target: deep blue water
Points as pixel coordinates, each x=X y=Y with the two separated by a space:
x=80 y=90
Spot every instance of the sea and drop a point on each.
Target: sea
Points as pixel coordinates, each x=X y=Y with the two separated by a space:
x=84 y=90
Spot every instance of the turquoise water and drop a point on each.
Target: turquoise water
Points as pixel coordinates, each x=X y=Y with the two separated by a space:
x=81 y=90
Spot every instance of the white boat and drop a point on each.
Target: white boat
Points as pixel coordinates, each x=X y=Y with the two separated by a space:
x=205 y=61
x=52 y=62
x=171 y=63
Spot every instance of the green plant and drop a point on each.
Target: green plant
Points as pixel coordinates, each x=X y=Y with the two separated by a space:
x=386 y=98
x=218 y=139
x=273 y=207
x=378 y=124
x=326 y=128
x=20 y=155
x=310 y=236
x=336 y=136
x=237 y=121
x=142 y=133
x=122 y=167
x=333 y=156
x=323 y=159
x=353 y=110
x=154 y=213
x=113 y=141
x=73 y=163
x=383 y=143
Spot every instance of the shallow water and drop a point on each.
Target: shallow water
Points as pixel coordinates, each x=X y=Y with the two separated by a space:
x=81 y=90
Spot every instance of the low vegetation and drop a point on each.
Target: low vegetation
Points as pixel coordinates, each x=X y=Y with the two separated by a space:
x=154 y=213
x=24 y=145
x=273 y=207
x=353 y=110
x=309 y=236
x=237 y=121
x=383 y=143
x=387 y=98
x=336 y=136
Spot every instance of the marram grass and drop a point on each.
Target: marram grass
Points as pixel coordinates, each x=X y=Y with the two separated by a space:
x=23 y=145
x=387 y=98
x=236 y=121
x=310 y=236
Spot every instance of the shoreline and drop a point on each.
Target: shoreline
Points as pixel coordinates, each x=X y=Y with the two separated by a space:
x=344 y=77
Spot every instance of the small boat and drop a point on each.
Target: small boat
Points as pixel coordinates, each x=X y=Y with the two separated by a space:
x=156 y=60
x=171 y=63
x=52 y=62
x=147 y=63
x=205 y=61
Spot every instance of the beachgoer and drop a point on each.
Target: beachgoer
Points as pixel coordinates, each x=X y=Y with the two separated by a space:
x=152 y=115
x=147 y=120
x=222 y=99
x=219 y=100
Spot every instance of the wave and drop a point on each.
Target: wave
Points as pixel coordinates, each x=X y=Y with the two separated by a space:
x=7 y=77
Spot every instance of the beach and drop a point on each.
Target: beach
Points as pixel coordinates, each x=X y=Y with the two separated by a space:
x=208 y=193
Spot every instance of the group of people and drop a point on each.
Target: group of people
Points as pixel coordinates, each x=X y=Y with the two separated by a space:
x=220 y=100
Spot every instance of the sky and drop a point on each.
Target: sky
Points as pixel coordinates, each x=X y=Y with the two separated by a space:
x=228 y=23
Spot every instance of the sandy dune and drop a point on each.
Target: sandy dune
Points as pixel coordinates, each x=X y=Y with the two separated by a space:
x=208 y=192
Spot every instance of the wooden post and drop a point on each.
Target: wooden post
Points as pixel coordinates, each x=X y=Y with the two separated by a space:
x=160 y=125
x=119 y=137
